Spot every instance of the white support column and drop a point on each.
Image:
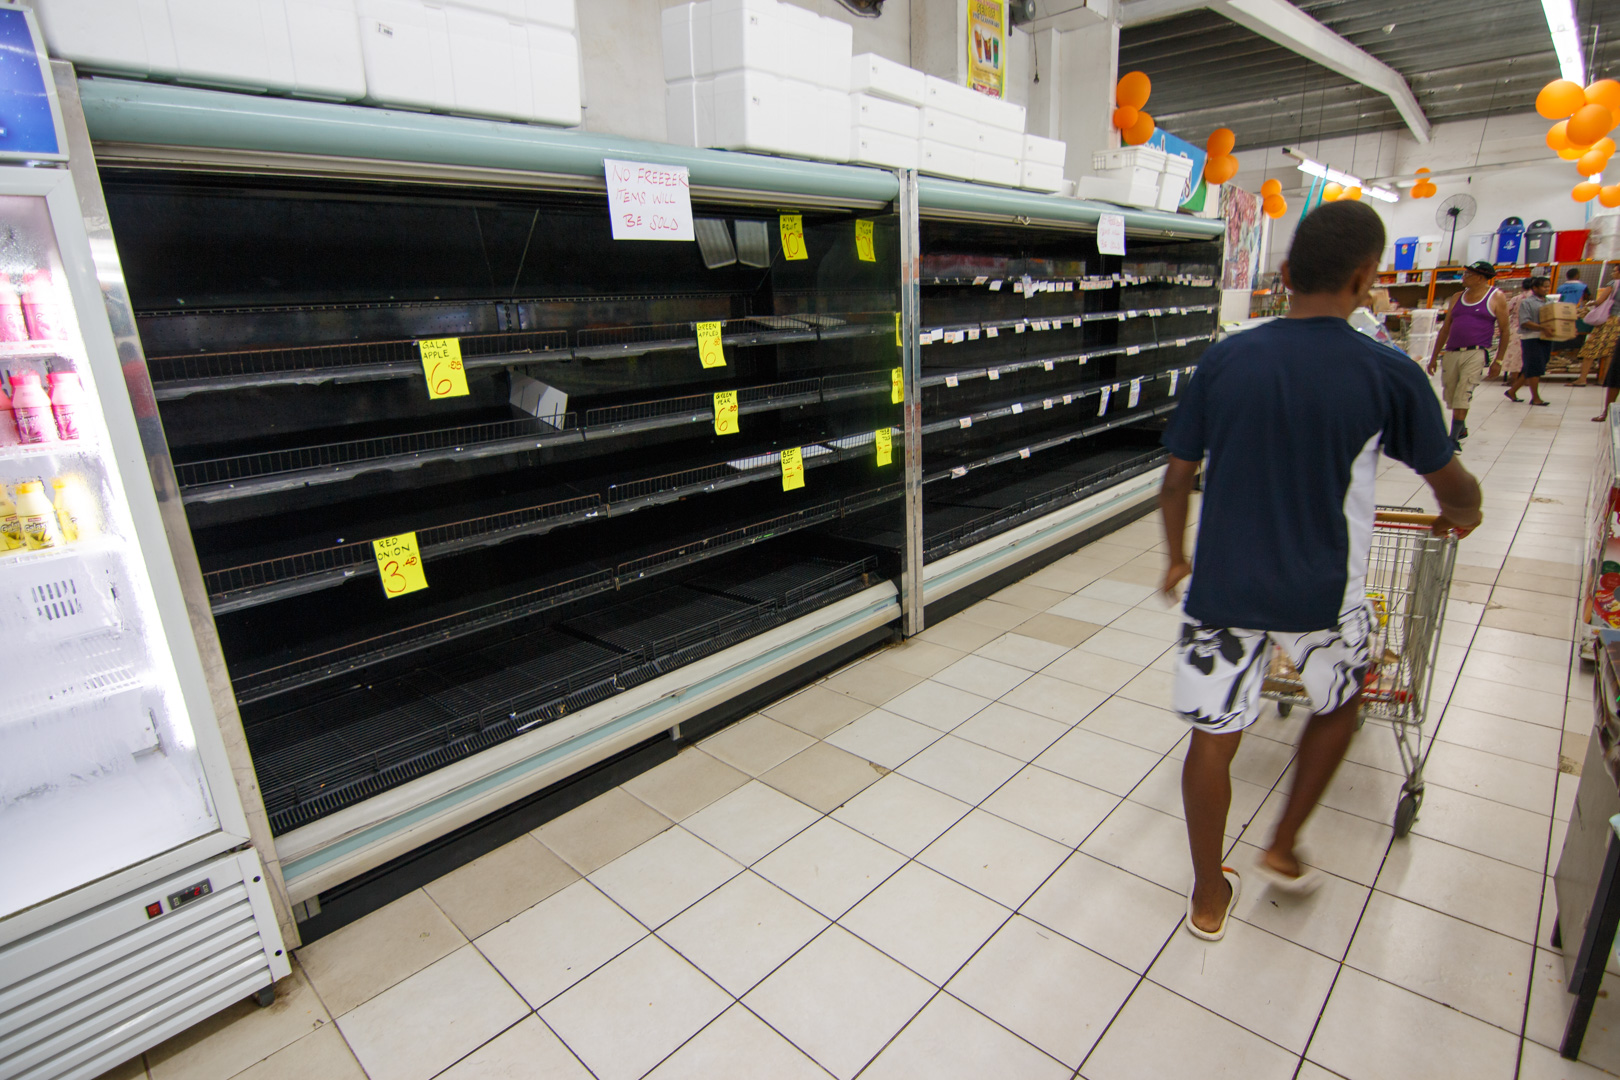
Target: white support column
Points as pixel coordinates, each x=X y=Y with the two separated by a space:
x=1087 y=67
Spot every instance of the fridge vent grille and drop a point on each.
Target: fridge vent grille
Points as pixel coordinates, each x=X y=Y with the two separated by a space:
x=56 y=600
x=101 y=988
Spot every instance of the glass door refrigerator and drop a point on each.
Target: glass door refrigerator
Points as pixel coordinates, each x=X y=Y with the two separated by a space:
x=131 y=903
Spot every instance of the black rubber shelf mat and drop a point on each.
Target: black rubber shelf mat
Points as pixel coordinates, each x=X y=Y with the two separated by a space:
x=365 y=738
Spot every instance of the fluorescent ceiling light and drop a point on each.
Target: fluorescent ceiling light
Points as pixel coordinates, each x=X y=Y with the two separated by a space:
x=1315 y=168
x=1566 y=39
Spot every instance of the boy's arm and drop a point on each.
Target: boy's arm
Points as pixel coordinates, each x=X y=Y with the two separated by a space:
x=1174 y=496
x=1459 y=496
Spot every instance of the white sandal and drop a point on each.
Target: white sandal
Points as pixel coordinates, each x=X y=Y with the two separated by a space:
x=1309 y=880
x=1234 y=879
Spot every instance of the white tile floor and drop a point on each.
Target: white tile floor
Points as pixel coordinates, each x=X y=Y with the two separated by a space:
x=963 y=857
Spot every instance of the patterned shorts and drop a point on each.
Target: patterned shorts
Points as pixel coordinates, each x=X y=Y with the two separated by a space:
x=1220 y=671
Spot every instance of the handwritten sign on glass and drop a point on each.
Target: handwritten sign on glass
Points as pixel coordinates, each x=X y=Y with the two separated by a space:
x=649 y=202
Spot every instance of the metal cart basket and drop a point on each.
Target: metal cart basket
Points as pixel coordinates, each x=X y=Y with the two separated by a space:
x=1408 y=579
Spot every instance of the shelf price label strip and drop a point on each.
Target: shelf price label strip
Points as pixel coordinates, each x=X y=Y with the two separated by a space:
x=442 y=367
x=399 y=564
x=710 y=352
x=725 y=413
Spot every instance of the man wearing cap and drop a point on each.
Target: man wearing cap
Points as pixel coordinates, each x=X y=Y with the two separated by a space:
x=1459 y=350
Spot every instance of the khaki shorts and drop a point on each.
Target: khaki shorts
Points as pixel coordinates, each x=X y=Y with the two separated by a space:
x=1460 y=371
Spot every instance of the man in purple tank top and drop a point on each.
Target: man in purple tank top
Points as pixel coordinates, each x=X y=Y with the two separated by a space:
x=1474 y=315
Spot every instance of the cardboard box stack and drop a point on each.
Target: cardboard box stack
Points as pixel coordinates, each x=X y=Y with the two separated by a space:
x=1559 y=321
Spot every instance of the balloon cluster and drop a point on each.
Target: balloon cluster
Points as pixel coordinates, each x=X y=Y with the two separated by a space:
x=1271 y=199
x=1333 y=192
x=1585 y=117
x=1424 y=188
x=1220 y=166
x=1131 y=97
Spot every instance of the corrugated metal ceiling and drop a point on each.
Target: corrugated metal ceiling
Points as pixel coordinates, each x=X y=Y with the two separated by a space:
x=1462 y=58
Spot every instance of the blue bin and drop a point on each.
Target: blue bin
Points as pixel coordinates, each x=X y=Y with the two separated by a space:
x=1406 y=252
x=1509 y=237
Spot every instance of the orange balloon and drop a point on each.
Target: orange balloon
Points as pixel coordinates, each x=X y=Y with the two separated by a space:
x=1353 y=193
x=1589 y=125
x=1125 y=118
x=1134 y=88
x=1424 y=189
x=1572 y=153
x=1604 y=92
x=1610 y=196
x=1558 y=136
x=1423 y=172
x=1271 y=187
x=1585 y=192
x=1141 y=131
x=1275 y=206
x=1218 y=170
x=1332 y=192
x=1605 y=144
x=1221 y=141
x=1560 y=98
x=1591 y=162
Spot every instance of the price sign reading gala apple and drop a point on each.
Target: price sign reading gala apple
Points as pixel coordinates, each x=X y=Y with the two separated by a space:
x=649 y=202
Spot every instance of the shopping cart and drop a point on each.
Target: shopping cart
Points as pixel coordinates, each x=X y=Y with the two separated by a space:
x=1408 y=578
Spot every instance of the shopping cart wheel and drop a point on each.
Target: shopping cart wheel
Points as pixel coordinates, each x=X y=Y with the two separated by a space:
x=1406 y=812
x=1283 y=709
x=265 y=997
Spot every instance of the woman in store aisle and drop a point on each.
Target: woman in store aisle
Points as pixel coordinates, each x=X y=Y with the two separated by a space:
x=1510 y=355
x=1601 y=343
x=1608 y=332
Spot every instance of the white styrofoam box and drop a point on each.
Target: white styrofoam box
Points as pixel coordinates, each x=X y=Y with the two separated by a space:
x=1041 y=176
x=406 y=48
x=956 y=100
x=1001 y=142
x=833 y=122
x=837 y=43
x=995 y=169
x=885 y=115
x=871 y=74
x=802 y=44
x=325 y=37
x=741 y=34
x=555 y=74
x=1127 y=157
x=232 y=43
x=112 y=35
x=1002 y=114
x=490 y=64
x=949 y=128
x=755 y=110
x=680 y=112
x=943 y=159
x=1176 y=165
x=1172 y=189
x=556 y=13
x=871 y=146
x=1139 y=177
x=1129 y=189
x=677 y=28
x=1045 y=151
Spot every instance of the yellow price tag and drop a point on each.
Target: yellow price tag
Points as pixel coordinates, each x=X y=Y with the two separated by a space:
x=792 y=469
x=710 y=354
x=885 y=445
x=441 y=363
x=897 y=387
x=863 y=241
x=897 y=342
x=725 y=413
x=399 y=564
x=793 y=237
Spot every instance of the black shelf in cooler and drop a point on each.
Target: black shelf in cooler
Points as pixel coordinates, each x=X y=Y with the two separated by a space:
x=360 y=739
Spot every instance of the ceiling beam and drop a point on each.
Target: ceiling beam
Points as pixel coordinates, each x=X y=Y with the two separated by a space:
x=1283 y=23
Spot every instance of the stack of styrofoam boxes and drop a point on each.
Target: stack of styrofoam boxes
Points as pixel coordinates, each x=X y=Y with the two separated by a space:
x=885 y=107
x=757 y=75
x=1043 y=163
x=970 y=135
x=1132 y=176
x=515 y=59
x=1420 y=338
x=1173 y=185
x=310 y=48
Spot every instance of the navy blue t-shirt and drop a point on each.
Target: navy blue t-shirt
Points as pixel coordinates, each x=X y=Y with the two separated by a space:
x=1292 y=415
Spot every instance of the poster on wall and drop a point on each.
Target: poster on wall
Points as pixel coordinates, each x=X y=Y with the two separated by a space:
x=1192 y=195
x=1241 y=254
x=987 y=46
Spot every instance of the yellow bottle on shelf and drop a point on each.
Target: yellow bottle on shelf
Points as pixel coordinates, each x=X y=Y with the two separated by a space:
x=11 y=537
x=75 y=509
x=39 y=525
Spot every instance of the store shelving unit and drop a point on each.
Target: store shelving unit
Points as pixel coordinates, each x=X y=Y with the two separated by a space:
x=608 y=570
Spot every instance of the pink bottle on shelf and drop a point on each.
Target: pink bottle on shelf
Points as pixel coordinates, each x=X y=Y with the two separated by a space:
x=67 y=397
x=42 y=307
x=13 y=325
x=8 y=422
x=31 y=407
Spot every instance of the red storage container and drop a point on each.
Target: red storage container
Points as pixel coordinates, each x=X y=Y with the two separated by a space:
x=1571 y=245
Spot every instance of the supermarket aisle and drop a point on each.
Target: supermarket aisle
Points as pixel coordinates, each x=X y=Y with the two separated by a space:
x=962 y=857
